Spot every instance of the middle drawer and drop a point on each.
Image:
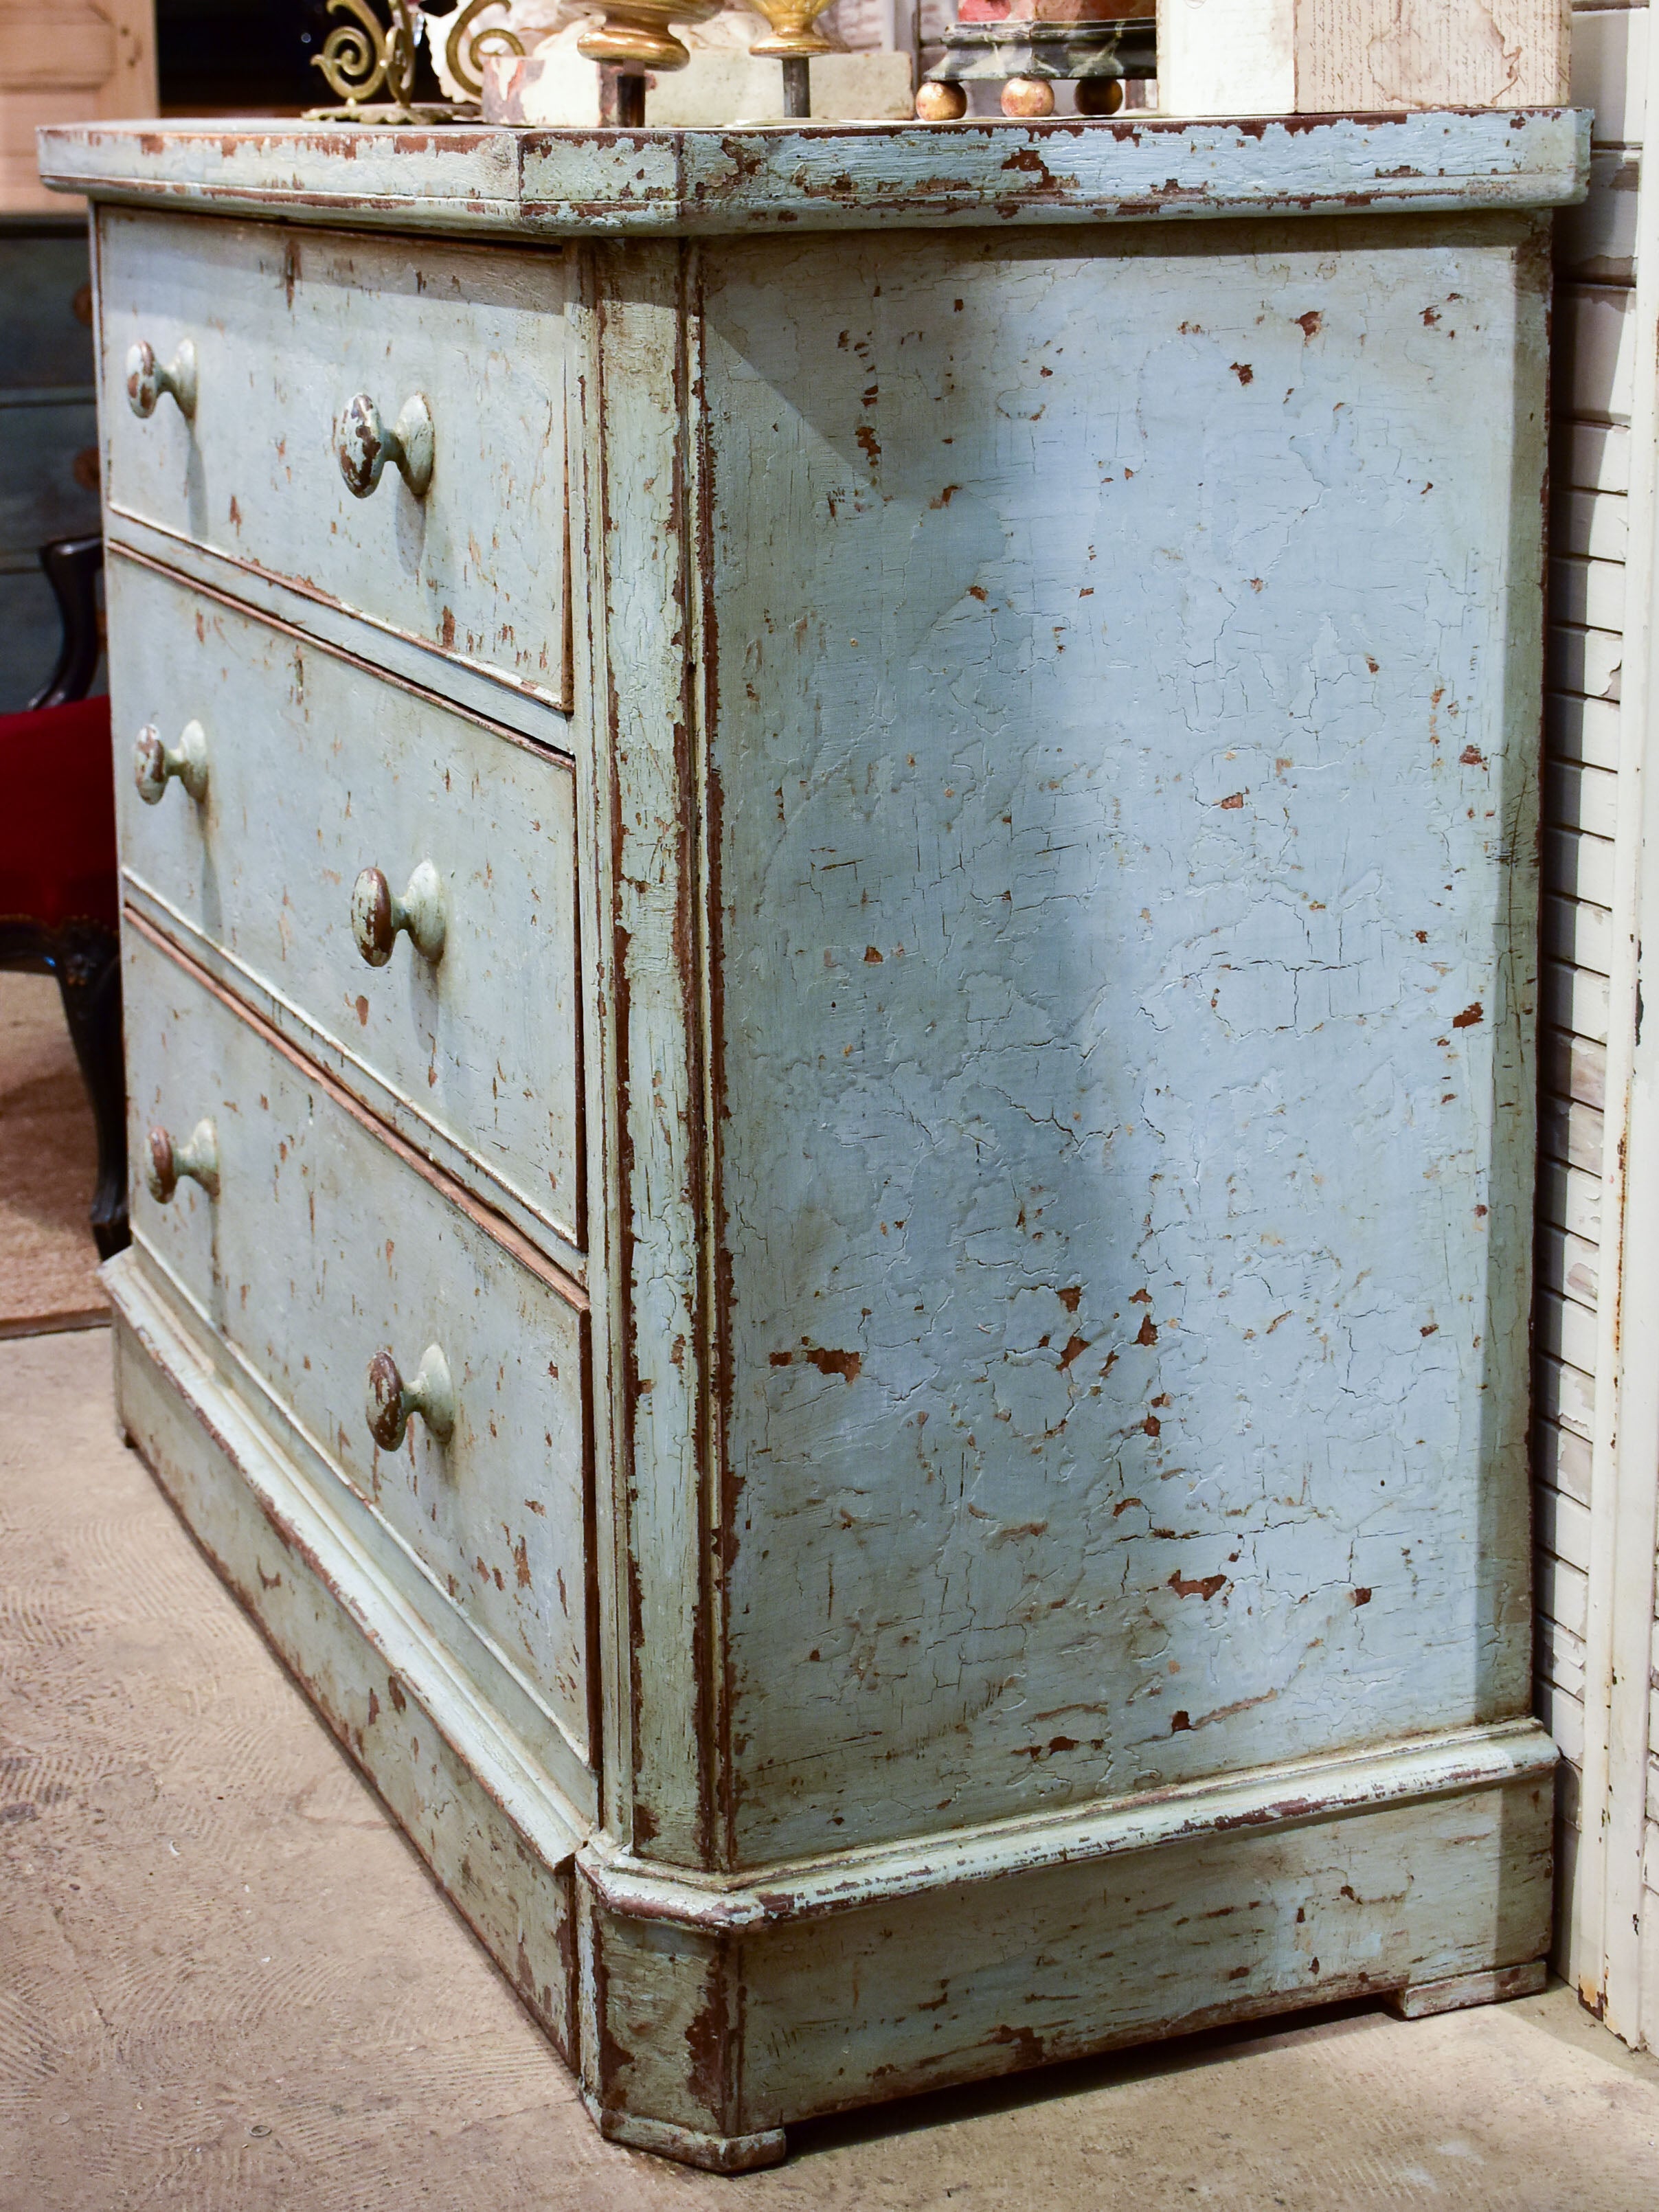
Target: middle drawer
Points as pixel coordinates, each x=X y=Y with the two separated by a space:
x=311 y=770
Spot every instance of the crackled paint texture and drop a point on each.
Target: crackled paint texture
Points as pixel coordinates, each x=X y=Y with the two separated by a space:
x=1127 y=667
x=322 y=1247
x=315 y=771
x=287 y=329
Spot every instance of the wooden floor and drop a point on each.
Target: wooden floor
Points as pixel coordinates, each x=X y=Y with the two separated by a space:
x=226 y=1981
x=48 y=1164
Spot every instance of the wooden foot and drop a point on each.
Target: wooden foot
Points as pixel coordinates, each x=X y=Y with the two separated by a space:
x=1494 y=1985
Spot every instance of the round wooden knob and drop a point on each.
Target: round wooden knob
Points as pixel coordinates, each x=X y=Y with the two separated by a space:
x=1099 y=95
x=363 y=445
x=940 y=103
x=155 y=763
x=169 y=1162
x=378 y=913
x=147 y=379
x=391 y=1401
x=1028 y=96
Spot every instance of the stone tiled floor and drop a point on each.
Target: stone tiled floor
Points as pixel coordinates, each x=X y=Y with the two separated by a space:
x=226 y=1981
x=48 y=1165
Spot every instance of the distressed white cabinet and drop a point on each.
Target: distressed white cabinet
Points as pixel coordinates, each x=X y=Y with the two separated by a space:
x=881 y=1375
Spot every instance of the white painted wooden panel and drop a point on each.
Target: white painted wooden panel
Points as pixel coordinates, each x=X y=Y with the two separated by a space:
x=1609 y=71
x=1575 y=931
x=1564 y=1528
x=1565 y=1329
x=317 y=770
x=1570 y=1199
x=1560 y=1657
x=325 y=1245
x=1579 y=867
x=1580 y=798
x=1562 y=1715
x=1569 y=1132
x=1593 y=454
x=1580 y=729
x=289 y=326
x=1573 y=998
x=1591 y=523
x=1572 y=1262
x=1574 y=1067
x=1564 y=1461
x=1595 y=355
x=1590 y=591
x=1596 y=242
x=1589 y=663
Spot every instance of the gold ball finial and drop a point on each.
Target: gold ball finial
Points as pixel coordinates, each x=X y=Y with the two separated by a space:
x=1028 y=96
x=1099 y=95
x=940 y=103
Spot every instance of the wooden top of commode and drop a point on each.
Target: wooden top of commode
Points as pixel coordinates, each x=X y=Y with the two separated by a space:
x=552 y=183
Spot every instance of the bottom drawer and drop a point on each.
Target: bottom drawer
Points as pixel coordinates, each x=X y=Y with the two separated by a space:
x=315 y=1243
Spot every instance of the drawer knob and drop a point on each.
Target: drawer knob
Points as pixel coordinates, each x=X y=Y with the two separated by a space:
x=197 y=1160
x=391 y=1401
x=147 y=379
x=365 y=444
x=378 y=913
x=155 y=762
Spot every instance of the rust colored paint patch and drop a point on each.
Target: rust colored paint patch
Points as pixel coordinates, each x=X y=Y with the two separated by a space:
x=1206 y=1588
x=845 y=1364
x=1469 y=1017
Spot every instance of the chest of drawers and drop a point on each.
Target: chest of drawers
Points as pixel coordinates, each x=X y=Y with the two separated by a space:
x=828 y=844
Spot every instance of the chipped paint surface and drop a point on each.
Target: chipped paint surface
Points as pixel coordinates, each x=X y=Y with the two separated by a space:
x=1128 y=781
x=322 y=1249
x=285 y=336
x=316 y=770
x=1054 y=716
x=577 y=183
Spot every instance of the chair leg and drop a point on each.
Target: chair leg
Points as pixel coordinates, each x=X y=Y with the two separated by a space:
x=88 y=968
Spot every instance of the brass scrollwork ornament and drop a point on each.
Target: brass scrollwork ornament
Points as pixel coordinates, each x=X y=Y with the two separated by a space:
x=369 y=66
x=462 y=55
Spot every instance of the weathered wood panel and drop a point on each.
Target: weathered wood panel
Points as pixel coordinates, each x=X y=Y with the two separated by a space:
x=580 y=184
x=1324 y=57
x=317 y=770
x=287 y=327
x=639 y=652
x=323 y=1246
x=1105 y=1023
x=482 y=1818
x=1054 y=725
x=974 y=1977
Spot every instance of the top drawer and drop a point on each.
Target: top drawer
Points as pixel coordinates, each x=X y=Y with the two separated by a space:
x=287 y=328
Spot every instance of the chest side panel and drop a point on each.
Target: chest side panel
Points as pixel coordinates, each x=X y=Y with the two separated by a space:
x=1127 y=671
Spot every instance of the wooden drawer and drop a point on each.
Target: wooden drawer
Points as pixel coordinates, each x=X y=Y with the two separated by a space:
x=287 y=327
x=326 y=1244
x=316 y=770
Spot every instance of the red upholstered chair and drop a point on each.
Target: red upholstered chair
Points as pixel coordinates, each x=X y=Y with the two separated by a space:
x=59 y=899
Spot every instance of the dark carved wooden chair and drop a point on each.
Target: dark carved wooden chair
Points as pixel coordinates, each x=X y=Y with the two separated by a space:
x=59 y=900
